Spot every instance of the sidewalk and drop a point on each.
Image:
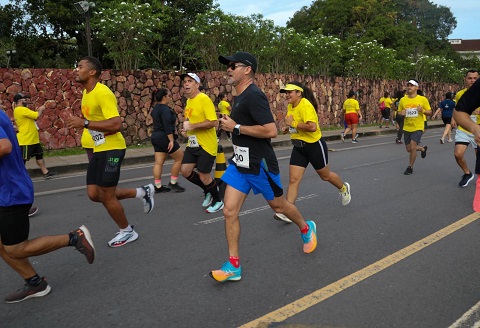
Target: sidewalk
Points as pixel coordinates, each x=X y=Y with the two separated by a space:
x=72 y=163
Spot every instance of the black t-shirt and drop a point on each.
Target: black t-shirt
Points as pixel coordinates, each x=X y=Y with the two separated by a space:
x=251 y=108
x=470 y=100
x=164 y=119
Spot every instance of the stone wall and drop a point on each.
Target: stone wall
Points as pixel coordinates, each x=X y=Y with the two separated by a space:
x=61 y=95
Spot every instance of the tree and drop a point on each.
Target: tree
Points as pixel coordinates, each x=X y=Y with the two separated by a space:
x=125 y=30
x=170 y=50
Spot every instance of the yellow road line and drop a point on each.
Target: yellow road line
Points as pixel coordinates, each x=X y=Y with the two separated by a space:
x=326 y=292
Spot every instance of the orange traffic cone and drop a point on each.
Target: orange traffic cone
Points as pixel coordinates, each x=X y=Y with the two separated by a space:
x=220 y=168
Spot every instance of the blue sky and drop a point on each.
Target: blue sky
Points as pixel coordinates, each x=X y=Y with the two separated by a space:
x=467 y=12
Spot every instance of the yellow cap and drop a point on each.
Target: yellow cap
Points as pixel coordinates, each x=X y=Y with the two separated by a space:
x=291 y=87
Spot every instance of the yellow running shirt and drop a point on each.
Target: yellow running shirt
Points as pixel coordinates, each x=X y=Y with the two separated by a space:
x=223 y=107
x=413 y=120
x=475 y=118
x=351 y=106
x=200 y=109
x=304 y=113
x=27 y=129
x=98 y=105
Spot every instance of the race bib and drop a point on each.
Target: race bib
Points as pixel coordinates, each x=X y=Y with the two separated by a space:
x=241 y=156
x=98 y=137
x=193 y=141
x=411 y=112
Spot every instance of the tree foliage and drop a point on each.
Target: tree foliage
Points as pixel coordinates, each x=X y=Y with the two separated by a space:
x=391 y=39
x=125 y=29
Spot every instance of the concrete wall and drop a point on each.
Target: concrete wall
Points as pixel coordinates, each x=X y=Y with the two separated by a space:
x=61 y=95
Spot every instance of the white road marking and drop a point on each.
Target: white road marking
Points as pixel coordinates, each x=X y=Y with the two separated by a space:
x=250 y=211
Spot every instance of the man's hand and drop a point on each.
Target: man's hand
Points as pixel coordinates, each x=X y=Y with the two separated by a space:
x=74 y=122
x=187 y=126
x=227 y=124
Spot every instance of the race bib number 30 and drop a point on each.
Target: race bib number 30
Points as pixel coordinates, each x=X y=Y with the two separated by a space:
x=411 y=112
x=242 y=156
x=98 y=137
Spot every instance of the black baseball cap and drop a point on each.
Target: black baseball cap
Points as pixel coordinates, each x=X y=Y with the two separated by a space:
x=19 y=96
x=240 y=57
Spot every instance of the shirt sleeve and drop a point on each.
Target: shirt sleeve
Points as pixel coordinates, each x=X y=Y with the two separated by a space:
x=109 y=106
x=166 y=120
x=470 y=100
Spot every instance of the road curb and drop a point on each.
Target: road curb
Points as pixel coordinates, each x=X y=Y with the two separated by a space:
x=60 y=169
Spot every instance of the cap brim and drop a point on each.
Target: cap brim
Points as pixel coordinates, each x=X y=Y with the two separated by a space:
x=182 y=77
x=225 y=60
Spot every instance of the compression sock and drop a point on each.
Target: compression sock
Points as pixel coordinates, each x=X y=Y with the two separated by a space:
x=212 y=188
x=305 y=229
x=235 y=261
x=195 y=179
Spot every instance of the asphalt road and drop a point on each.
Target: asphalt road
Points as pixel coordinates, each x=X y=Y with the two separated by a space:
x=403 y=253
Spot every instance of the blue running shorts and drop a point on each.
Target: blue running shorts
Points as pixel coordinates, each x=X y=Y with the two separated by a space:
x=265 y=183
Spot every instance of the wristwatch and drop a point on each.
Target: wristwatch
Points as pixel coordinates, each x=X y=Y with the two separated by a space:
x=86 y=123
x=236 y=130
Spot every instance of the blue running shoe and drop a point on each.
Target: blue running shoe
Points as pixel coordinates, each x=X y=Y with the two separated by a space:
x=227 y=272
x=215 y=207
x=208 y=200
x=310 y=238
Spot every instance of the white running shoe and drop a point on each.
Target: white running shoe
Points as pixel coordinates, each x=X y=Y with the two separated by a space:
x=123 y=238
x=147 y=200
x=208 y=200
x=346 y=197
x=281 y=217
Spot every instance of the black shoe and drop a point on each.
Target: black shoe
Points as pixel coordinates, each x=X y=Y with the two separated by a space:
x=424 y=152
x=84 y=243
x=28 y=291
x=466 y=178
x=33 y=210
x=408 y=171
x=176 y=187
x=161 y=189
x=49 y=174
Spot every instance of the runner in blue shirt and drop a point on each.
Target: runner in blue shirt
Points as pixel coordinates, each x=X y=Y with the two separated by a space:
x=16 y=198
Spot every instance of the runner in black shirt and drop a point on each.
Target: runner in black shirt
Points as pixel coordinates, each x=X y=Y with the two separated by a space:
x=254 y=165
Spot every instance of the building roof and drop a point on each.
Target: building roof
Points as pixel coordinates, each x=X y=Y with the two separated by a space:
x=461 y=45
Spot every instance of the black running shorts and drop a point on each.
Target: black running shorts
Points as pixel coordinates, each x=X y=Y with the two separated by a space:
x=14 y=224
x=104 y=168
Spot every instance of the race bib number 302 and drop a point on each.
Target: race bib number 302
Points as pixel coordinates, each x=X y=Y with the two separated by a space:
x=411 y=112
x=98 y=137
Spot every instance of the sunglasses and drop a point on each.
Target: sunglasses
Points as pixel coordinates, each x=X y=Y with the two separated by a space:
x=232 y=66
